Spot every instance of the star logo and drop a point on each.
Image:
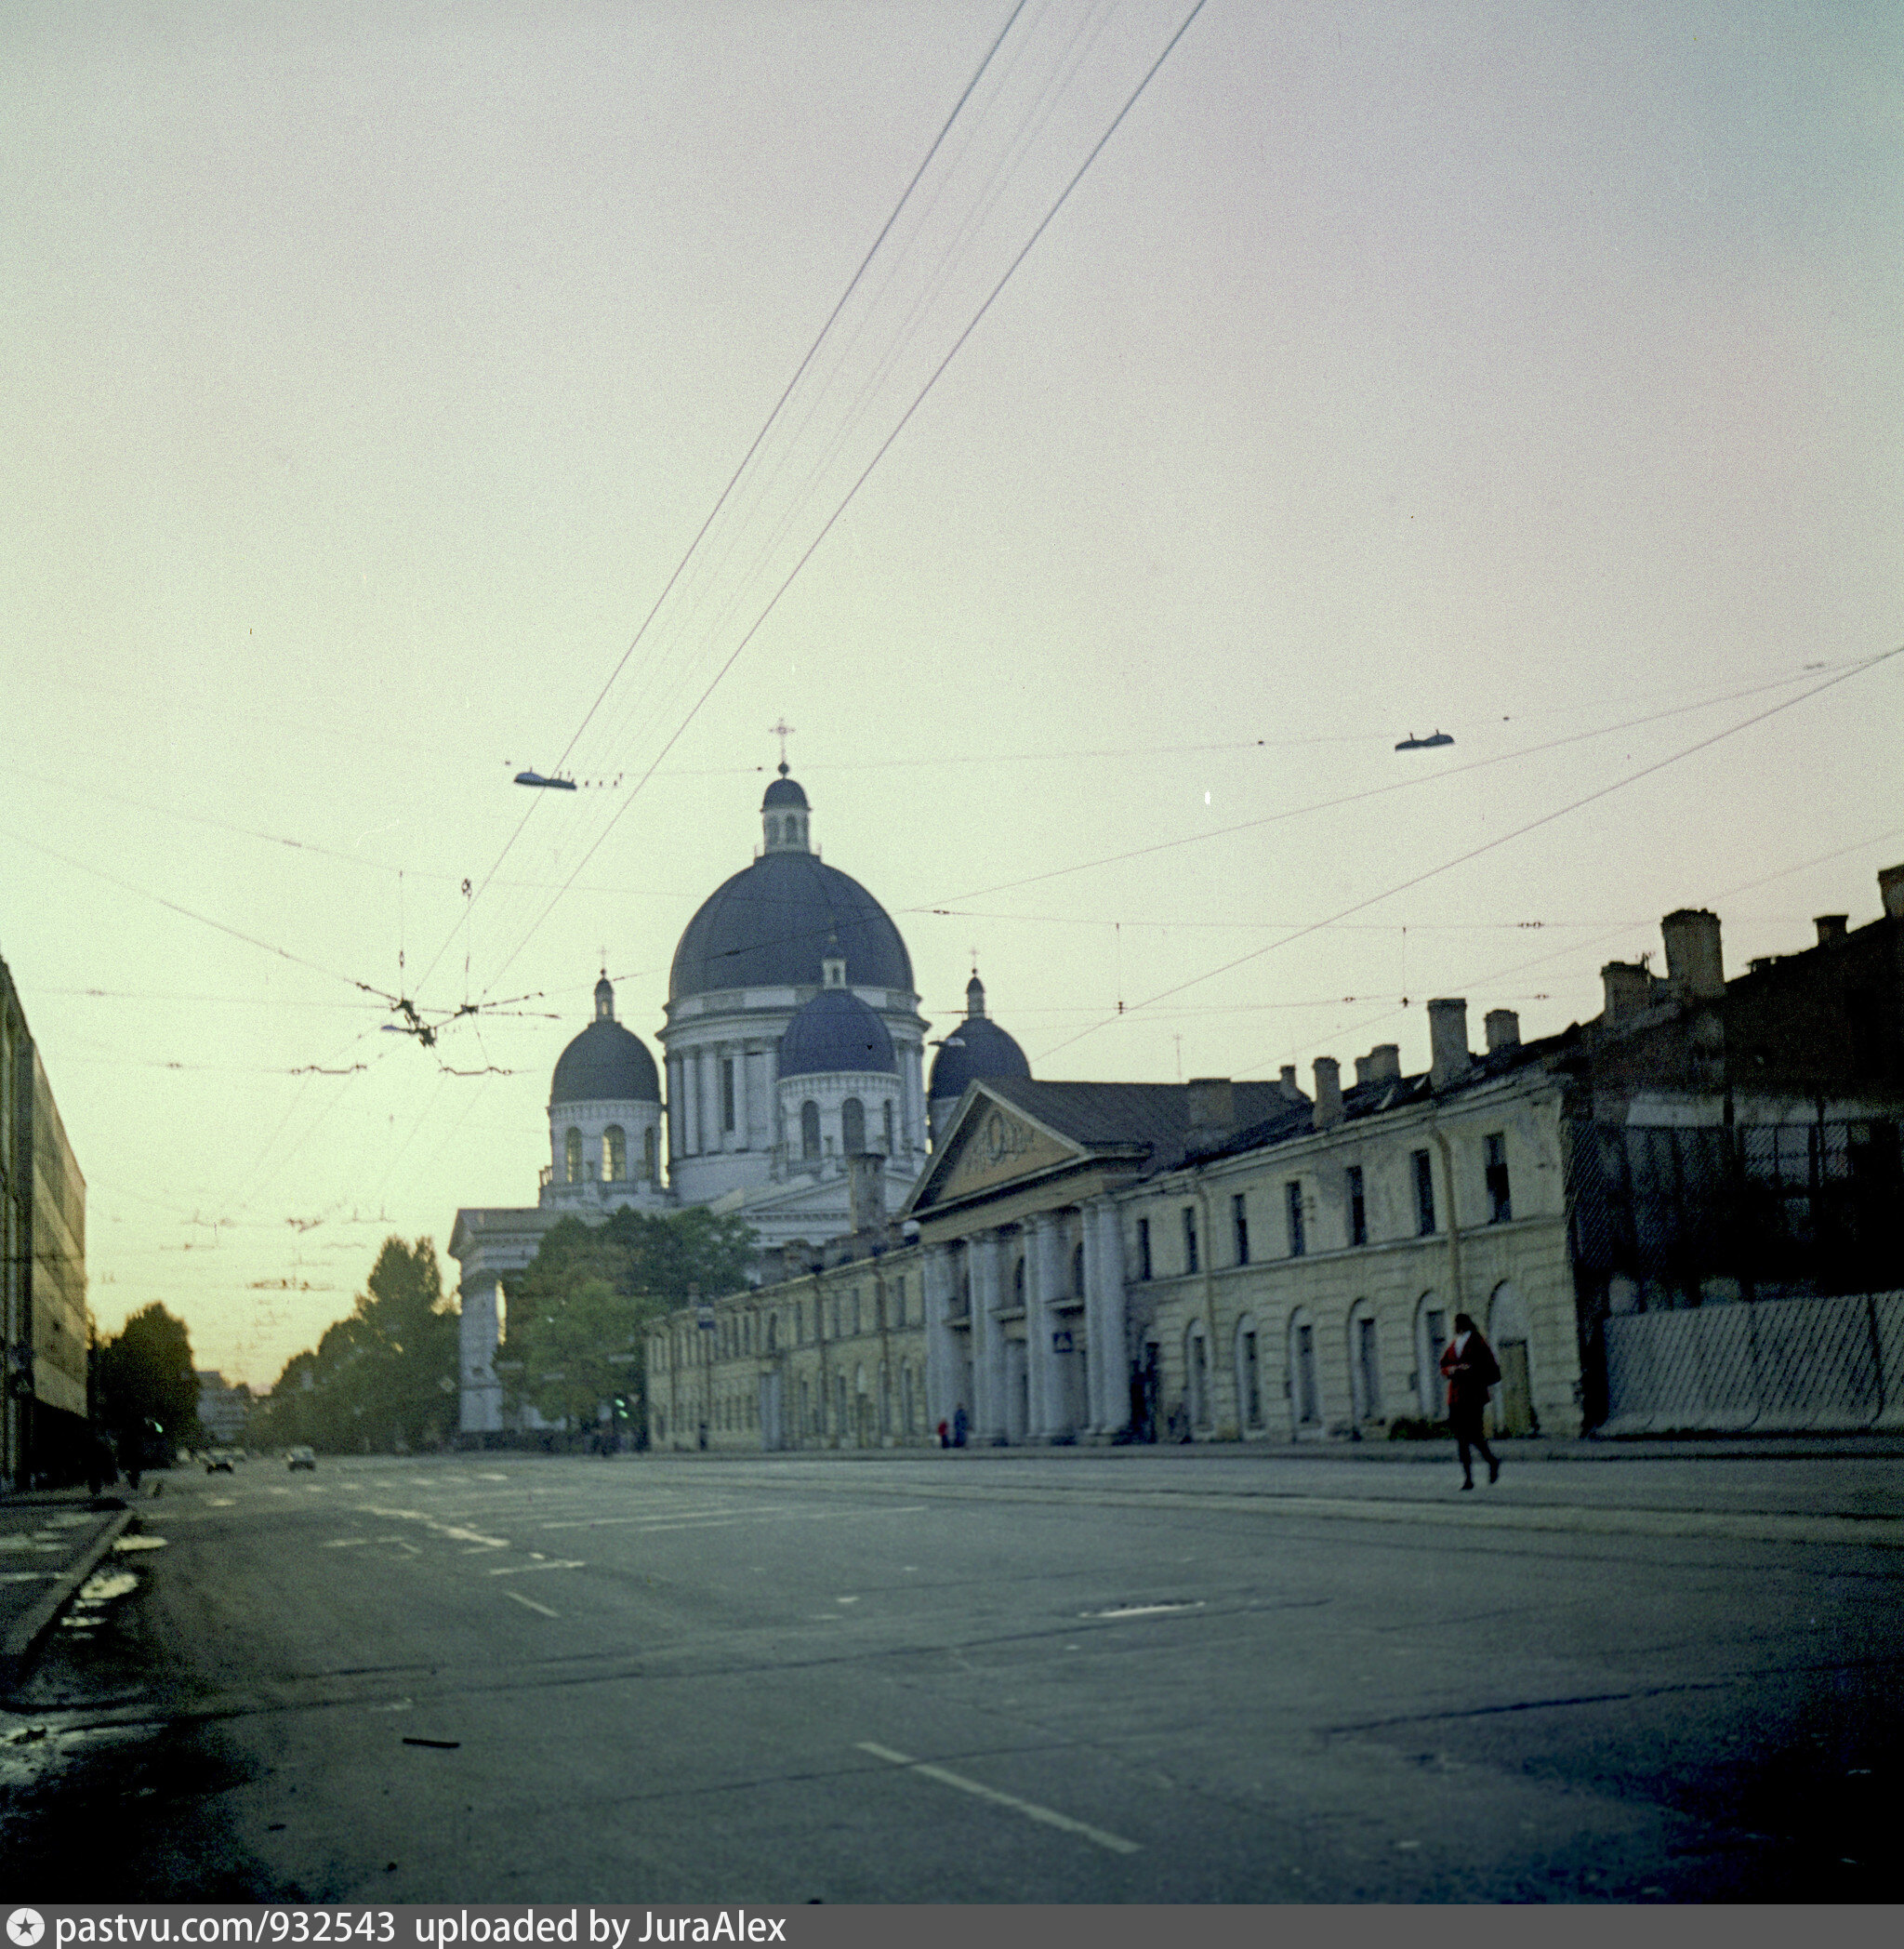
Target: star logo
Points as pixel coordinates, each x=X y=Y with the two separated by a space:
x=25 y=1927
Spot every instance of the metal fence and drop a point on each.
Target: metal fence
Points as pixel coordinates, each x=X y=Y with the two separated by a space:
x=1765 y=1366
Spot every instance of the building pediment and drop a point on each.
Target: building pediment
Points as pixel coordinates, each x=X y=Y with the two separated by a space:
x=990 y=1145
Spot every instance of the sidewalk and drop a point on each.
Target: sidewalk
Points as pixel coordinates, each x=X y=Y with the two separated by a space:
x=51 y=1540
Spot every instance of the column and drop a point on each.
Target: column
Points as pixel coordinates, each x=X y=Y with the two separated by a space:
x=1114 y=1371
x=1093 y=1324
x=1037 y=1329
x=987 y=1339
x=935 y=1273
x=689 y=1102
x=707 y=1075
x=1053 y=1284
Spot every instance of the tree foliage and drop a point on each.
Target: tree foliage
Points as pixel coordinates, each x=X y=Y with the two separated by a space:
x=382 y=1379
x=145 y=1379
x=578 y=1312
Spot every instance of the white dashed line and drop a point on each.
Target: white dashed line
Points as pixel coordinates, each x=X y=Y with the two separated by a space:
x=530 y=1603
x=1030 y=1808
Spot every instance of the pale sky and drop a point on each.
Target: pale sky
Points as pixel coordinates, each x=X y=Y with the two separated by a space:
x=1528 y=373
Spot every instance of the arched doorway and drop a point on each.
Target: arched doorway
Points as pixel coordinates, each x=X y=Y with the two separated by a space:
x=1507 y=1335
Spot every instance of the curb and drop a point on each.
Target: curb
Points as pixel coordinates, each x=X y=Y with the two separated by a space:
x=22 y=1640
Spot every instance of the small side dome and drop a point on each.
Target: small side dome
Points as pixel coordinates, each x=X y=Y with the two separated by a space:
x=833 y=1032
x=606 y=1063
x=977 y=1047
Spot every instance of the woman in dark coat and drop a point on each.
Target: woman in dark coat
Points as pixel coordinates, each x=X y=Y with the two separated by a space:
x=1471 y=1368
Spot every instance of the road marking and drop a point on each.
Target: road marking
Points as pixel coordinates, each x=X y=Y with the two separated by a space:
x=523 y=1570
x=221 y=1502
x=345 y=1542
x=455 y=1531
x=1124 y=1611
x=1030 y=1808
x=530 y=1603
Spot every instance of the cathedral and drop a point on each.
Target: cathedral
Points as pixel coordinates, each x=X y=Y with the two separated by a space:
x=796 y=1096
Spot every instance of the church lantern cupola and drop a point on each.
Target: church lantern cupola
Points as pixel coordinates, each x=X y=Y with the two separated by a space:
x=784 y=815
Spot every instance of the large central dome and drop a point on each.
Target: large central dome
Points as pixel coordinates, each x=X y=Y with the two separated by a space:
x=769 y=927
x=770 y=924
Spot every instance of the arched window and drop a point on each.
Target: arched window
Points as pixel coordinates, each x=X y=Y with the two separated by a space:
x=773 y=1332
x=572 y=1157
x=1018 y=1283
x=810 y=1131
x=1197 y=1378
x=852 y=1125
x=891 y=1147
x=772 y=830
x=1077 y=1270
x=648 y=1153
x=1431 y=1343
x=1365 y=1363
x=839 y=1407
x=615 y=1154
x=1249 y=1375
x=1305 y=1395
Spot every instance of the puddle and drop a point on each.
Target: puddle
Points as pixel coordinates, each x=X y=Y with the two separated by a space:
x=126 y=1545
x=105 y=1584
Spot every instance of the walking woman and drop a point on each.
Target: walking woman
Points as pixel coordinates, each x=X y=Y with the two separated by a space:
x=1471 y=1368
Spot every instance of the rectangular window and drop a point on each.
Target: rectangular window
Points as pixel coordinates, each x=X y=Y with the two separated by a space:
x=1189 y=1237
x=727 y=1092
x=1358 y=1208
x=1424 y=1194
x=1292 y=1199
x=1253 y=1383
x=1144 y=1248
x=899 y=1301
x=1239 y=1225
x=1499 y=1203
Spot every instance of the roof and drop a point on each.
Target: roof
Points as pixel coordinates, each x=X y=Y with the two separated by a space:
x=770 y=924
x=977 y=1047
x=1153 y=1117
x=784 y=791
x=605 y=1064
x=833 y=1032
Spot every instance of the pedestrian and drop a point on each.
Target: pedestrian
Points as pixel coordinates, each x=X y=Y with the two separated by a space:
x=944 y=1433
x=1471 y=1368
x=962 y=1424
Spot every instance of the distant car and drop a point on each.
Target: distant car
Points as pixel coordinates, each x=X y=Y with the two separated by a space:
x=301 y=1458
x=220 y=1460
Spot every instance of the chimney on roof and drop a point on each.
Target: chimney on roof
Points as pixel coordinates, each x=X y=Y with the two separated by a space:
x=1503 y=1028
x=1891 y=892
x=1831 y=927
x=865 y=1190
x=1288 y=1085
x=1328 y=1092
x=1213 y=1101
x=1694 y=965
x=1628 y=988
x=1447 y=1042
x=1383 y=1063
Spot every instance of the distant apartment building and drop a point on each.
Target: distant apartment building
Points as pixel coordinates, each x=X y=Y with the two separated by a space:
x=222 y=1409
x=43 y=1292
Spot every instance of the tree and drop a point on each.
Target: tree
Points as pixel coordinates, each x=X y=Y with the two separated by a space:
x=146 y=1381
x=384 y=1376
x=578 y=1312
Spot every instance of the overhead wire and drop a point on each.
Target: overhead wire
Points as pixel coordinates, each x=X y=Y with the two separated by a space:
x=1474 y=853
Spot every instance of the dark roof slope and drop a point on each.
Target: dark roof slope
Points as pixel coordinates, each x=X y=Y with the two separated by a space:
x=1150 y=1116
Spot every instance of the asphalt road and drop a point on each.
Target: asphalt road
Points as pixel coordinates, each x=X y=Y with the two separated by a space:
x=1129 y=1676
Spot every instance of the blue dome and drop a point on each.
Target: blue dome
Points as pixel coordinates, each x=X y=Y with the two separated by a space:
x=784 y=791
x=835 y=1031
x=605 y=1064
x=977 y=1047
x=770 y=924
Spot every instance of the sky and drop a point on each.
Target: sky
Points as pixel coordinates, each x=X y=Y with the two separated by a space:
x=1100 y=474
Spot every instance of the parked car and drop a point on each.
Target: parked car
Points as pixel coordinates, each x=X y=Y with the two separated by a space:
x=220 y=1462
x=301 y=1458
